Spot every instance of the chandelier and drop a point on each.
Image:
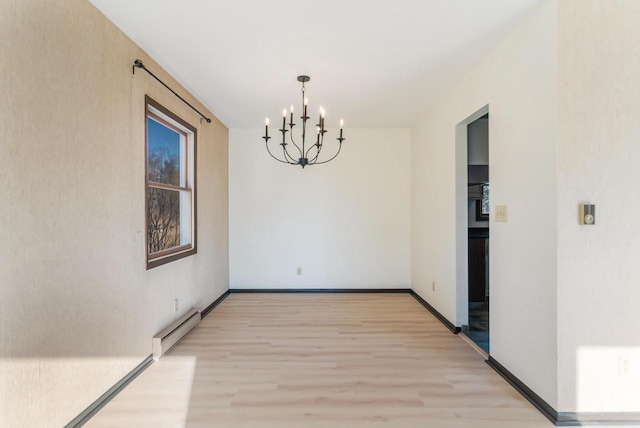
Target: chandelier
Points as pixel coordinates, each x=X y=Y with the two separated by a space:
x=305 y=153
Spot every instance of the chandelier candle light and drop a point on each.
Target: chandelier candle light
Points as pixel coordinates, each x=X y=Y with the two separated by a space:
x=301 y=157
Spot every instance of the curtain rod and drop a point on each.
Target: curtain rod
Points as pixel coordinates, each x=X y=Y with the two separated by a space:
x=138 y=64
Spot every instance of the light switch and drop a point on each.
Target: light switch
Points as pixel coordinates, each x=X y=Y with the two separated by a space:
x=587 y=214
x=501 y=213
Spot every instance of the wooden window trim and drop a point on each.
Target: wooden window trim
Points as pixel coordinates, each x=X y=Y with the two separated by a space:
x=167 y=186
x=170 y=251
x=175 y=253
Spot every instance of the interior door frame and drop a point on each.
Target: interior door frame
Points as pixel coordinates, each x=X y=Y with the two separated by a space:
x=462 y=255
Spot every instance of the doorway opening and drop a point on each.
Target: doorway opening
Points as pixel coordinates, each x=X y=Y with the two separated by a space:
x=472 y=228
x=478 y=231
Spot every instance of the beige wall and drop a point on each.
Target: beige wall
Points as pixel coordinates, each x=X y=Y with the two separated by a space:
x=77 y=307
x=598 y=157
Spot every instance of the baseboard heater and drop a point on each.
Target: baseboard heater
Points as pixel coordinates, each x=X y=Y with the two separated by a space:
x=168 y=337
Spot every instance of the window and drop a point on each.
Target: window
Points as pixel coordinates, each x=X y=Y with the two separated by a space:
x=170 y=186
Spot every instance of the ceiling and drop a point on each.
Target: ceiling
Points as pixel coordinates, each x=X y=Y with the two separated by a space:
x=375 y=63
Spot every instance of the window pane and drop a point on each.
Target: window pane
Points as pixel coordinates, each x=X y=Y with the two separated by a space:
x=165 y=151
x=163 y=219
x=485 y=199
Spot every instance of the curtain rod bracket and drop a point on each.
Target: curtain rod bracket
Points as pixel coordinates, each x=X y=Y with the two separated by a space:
x=139 y=64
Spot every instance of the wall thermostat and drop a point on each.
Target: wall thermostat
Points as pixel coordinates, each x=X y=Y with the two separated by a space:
x=587 y=214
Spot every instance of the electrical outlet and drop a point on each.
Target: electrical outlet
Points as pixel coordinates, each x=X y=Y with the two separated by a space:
x=624 y=366
x=433 y=286
x=299 y=271
x=175 y=305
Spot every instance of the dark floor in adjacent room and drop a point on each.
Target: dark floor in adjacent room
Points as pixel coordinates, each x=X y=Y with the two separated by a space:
x=479 y=325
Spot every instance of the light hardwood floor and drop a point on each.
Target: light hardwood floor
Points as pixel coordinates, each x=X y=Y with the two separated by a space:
x=320 y=360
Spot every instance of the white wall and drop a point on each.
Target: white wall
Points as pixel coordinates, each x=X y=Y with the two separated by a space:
x=346 y=223
x=78 y=308
x=518 y=81
x=598 y=156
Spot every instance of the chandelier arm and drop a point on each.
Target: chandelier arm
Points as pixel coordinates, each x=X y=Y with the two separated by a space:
x=311 y=161
x=334 y=156
x=317 y=145
x=310 y=148
x=315 y=158
x=319 y=148
x=279 y=160
x=288 y=156
x=285 y=152
x=294 y=143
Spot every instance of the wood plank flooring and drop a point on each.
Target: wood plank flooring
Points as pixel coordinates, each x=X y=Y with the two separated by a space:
x=320 y=360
